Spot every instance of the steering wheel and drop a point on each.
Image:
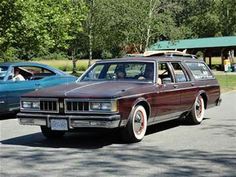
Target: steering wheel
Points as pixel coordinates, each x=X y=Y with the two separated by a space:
x=139 y=76
x=163 y=72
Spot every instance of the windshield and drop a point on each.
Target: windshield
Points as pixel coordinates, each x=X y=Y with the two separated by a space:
x=123 y=71
x=3 y=72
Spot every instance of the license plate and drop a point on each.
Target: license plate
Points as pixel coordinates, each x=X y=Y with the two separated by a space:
x=59 y=124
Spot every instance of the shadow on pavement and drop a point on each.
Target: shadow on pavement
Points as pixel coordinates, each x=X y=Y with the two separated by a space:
x=83 y=139
x=7 y=116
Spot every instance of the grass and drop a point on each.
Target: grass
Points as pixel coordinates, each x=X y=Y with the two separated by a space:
x=214 y=60
x=66 y=65
x=227 y=82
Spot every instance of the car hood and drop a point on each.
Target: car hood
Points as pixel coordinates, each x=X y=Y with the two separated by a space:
x=106 y=89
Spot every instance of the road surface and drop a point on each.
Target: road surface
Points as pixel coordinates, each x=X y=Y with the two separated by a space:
x=168 y=149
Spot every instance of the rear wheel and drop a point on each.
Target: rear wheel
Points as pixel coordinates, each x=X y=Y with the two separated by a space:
x=51 y=134
x=136 y=126
x=197 y=113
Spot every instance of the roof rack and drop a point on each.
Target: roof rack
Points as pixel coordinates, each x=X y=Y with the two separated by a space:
x=170 y=53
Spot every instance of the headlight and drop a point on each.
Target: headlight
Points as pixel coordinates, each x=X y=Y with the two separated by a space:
x=26 y=104
x=103 y=106
x=31 y=104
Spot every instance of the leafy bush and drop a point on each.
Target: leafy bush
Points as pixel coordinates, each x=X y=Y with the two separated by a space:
x=65 y=68
x=65 y=65
x=10 y=55
x=81 y=67
x=106 y=54
x=199 y=54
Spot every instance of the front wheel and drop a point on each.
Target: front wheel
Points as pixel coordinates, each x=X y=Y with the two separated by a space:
x=51 y=134
x=136 y=126
x=197 y=113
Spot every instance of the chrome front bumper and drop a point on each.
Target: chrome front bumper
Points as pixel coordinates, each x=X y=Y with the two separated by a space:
x=74 y=121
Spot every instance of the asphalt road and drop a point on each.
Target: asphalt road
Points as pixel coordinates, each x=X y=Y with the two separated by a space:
x=168 y=149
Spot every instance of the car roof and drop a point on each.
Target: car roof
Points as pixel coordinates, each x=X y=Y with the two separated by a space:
x=15 y=64
x=21 y=63
x=150 y=59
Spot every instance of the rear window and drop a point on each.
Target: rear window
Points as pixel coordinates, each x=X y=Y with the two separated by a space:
x=200 y=70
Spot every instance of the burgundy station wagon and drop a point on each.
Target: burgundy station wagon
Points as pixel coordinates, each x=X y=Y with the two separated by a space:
x=129 y=94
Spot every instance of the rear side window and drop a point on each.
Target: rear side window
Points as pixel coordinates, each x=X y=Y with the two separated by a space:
x=179 y=73
x=199 y=70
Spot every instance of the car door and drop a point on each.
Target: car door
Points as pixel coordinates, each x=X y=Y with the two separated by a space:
x=167 y=99
x=3 y=95
x=17 y=88
x=3 y=99
x=185 y=86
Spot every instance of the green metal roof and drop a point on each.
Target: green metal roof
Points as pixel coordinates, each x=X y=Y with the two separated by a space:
x=211 y=42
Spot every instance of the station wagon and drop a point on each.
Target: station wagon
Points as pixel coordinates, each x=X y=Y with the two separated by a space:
x=128 y=94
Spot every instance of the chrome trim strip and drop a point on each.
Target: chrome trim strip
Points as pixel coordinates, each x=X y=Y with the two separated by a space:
x=14 y=108
x=32 y=121
x=21 y=115
x=135 y=95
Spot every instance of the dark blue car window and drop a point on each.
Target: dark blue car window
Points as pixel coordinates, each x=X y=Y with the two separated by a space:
x=3 y=72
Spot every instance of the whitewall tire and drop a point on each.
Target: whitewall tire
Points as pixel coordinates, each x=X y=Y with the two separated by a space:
x=136 y=127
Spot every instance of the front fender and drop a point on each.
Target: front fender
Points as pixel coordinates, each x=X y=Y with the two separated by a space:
x=139 y=101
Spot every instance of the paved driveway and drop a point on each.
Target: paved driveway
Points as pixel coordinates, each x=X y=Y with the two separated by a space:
x=168 y=149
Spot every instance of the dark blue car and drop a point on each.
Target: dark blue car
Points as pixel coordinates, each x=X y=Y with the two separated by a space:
x=21 y=77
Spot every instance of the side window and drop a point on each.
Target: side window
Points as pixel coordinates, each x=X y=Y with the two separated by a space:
x=140 y=71
x=134 y=69
x=199 y=70
x=35 y=73
x=180 y=76
x=111 y=72
x=94 y=74
x=164 y=74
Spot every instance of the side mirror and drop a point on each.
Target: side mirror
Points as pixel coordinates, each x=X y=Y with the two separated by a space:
x=166 y=80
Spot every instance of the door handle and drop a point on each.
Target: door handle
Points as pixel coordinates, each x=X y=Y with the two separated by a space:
x=2 y=102
x=175 y=86
x=37 y=84
x=192 y=84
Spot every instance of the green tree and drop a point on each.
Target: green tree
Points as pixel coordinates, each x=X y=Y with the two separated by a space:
x=200 y=17
x=133 y=24
x=35 y=28
x=10 y=17
x=227 y=16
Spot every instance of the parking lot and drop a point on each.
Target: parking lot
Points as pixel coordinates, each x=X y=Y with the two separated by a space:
x=168 y=149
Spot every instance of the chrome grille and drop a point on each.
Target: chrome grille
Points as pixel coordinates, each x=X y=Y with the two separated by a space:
x=48 y=105
x=76 y=106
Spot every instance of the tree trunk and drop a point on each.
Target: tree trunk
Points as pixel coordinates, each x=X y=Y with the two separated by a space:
x=149 y=25
x=90 y=45
x=74 y=60
x=91 y=33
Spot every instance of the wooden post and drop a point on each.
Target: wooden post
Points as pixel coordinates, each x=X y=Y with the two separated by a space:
x=204 y=55
x=222 y=59
x=210 y=61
